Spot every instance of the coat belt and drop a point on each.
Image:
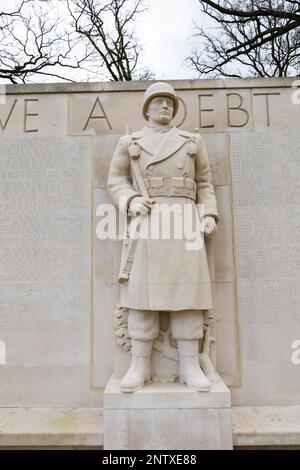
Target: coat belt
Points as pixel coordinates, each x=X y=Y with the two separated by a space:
x=171 y=187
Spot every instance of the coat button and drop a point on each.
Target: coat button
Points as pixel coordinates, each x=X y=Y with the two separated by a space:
x=179 y=165
x=151 y=167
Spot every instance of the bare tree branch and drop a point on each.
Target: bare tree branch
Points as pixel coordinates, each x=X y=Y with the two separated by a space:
x=252 y=37
x=33 y=41
x=107 y=27
x=258 y=9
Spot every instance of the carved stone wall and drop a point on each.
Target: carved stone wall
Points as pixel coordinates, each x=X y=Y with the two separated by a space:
x=58 y=282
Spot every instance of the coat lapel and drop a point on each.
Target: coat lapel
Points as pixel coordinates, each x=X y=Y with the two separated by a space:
x=144 y=139
x=172 y=141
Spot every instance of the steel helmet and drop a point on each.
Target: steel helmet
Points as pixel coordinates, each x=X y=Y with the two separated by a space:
x=159 y=89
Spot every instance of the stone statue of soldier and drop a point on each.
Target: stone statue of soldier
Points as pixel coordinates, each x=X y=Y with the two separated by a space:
x=163 y=165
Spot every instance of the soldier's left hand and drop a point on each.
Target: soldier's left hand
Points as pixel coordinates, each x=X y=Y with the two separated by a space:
x=210 y=226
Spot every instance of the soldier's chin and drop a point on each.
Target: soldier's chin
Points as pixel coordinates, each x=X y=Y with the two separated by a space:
x=165 y=119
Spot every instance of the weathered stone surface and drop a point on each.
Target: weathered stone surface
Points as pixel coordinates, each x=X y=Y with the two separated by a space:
x=45 y=269
x=265 y=169
x=51 y=427
x=44 y=427
x=58 y=350
x=34 y=115
x=208 y=416
x=266 y=426
x=58 y=385
x=218 y=147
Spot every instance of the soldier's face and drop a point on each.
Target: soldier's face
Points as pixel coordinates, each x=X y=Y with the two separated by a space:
x=160 y=110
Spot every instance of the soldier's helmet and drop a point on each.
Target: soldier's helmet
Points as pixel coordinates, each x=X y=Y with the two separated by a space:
x=160 y=89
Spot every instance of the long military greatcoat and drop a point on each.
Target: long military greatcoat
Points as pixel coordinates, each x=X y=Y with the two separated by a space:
x=165 y=275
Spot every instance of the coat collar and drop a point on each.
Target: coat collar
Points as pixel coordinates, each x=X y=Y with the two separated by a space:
x=173 y=141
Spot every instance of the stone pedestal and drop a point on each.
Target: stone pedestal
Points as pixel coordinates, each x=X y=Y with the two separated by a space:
x=167 y=416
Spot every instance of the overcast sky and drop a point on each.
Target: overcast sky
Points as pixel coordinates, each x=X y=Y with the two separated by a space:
x=166 y=30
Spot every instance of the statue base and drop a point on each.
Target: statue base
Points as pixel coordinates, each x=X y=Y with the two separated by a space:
x=167 y=416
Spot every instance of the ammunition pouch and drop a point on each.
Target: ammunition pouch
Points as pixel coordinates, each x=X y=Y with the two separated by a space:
x=171 y=187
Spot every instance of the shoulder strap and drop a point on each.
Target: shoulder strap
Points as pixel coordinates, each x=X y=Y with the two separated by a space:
x=191 y=151
x=135 y=151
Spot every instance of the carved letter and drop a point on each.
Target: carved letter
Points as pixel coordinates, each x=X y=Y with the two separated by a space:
x=239 y=108
x=296 y=354
x=102 y=116
x=267 y=103
x=204 y=110
x=2 y=353
x=26 y=115
x=3 y=126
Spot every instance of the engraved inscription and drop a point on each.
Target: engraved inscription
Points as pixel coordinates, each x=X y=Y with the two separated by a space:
x=203 y=110
x=237 y=107
x=220 y=110
x=265 y=171
x=44 y=232
x=5 y=121
x=267 y=95
x=97 y=107
x=28 y=114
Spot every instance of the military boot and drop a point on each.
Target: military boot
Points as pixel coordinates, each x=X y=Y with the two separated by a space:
x=139 y=371
x=190 y=372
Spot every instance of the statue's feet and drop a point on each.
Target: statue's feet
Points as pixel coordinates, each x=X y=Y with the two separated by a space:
x=190 y=372
x=193 y=377
x=139 y=371
x=137 y=375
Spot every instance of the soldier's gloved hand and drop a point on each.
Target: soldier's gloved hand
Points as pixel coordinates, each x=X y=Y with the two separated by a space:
x=210 y=226
x=139 y=205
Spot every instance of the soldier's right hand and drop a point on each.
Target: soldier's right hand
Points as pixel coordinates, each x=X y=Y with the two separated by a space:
x=139 y=205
